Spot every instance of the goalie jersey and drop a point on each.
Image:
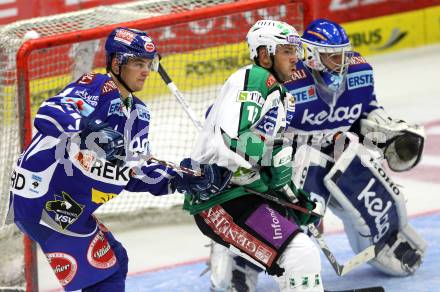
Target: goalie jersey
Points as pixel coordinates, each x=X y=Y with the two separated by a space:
x=314 y=117
x=62 y=188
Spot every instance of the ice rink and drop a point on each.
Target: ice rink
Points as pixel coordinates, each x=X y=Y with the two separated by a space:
x=170 y=258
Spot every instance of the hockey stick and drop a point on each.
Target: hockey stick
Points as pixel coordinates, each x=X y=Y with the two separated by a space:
x=171 y=165
x=283 y=202
x=179 y=96
x=193 y=172
x=364 y=256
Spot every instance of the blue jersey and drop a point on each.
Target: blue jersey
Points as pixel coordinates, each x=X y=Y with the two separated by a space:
x=315 y=118
x=62 y=188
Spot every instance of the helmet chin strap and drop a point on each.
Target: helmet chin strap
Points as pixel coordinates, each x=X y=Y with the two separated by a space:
x=119 y=78
x=272 y=69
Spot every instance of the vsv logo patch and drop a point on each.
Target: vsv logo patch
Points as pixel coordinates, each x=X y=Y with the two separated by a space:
x=66 y=210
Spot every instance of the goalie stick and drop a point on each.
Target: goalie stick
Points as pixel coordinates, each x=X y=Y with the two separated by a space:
x=362 y=257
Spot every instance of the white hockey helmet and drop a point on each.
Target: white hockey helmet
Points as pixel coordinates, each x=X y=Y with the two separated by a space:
x=270 y=33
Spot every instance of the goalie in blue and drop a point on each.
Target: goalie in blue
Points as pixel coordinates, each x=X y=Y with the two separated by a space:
x=85 y=151
x=341 y=139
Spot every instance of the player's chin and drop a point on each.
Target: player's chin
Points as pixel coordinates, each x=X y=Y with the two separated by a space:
x=287 y=75
x=139 y=85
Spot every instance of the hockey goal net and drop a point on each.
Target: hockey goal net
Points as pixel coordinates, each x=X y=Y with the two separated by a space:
x=201 y=44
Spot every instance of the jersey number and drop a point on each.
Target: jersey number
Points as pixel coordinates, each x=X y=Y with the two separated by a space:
x=252 y=113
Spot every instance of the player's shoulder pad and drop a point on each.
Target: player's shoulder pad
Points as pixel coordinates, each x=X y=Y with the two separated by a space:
x=92 y=88
x=102 y=84
x=260 y=79
x=358 y=63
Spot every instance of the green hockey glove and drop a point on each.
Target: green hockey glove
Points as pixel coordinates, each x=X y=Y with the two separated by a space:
x=306 y=202
x=280 y=172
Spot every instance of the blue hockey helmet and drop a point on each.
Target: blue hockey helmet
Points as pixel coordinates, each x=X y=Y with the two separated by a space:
x=125 y=43
x=327 y=51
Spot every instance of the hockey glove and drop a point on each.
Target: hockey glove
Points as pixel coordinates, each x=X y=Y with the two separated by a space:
x=304 y=201
x=213 y=181
x=280 y=172
x=104 y=141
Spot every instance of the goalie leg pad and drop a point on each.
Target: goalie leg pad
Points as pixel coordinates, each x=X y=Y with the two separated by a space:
x=373 y=211
x=403 y=252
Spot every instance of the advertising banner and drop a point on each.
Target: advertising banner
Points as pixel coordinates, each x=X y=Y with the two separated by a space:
x=395 y=32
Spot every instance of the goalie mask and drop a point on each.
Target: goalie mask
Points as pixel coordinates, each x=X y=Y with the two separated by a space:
x=327 y=52
x=125 y=43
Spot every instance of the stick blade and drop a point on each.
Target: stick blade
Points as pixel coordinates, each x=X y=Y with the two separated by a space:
x=364 y=256
x=366 y=289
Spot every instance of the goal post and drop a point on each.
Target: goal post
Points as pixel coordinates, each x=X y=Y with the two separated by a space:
x=201 y=43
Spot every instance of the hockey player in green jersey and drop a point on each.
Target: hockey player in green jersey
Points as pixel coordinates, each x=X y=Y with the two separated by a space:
x=244 y=135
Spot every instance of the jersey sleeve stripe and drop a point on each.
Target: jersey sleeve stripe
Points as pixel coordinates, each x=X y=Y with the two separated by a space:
x=51 y=120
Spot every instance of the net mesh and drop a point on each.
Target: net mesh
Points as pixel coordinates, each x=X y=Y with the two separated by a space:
x=198 y=55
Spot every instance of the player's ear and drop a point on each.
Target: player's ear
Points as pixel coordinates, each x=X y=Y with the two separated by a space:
x=115 y=66
x=264 y=58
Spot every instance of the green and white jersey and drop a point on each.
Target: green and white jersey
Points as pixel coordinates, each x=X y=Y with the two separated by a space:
x=245 y=122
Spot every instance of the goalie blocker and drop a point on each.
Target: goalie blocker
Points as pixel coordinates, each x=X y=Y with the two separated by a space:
x=372 y=207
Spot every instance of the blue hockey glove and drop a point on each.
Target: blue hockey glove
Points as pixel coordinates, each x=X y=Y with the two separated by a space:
x=213 y=181
x=103 y=140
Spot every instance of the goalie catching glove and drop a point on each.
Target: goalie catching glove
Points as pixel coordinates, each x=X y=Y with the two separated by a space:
x=214 y=179
x=401 y=143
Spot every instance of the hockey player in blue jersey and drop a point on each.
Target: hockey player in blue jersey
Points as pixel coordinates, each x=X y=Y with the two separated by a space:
x=85 y=151
x=341 y=137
